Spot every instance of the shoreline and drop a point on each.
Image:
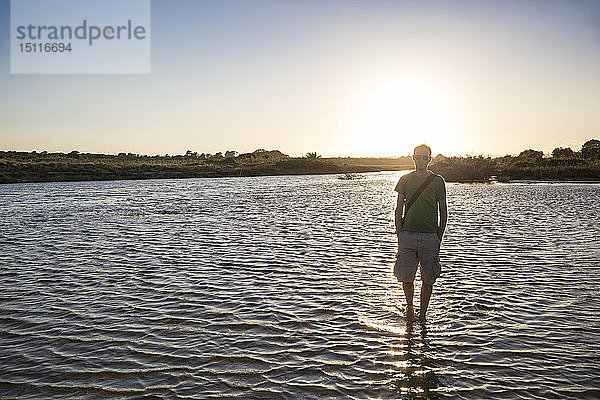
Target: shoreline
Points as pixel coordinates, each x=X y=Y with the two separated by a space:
x=21 y=167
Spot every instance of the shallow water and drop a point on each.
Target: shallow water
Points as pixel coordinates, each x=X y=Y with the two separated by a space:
x=282 y=287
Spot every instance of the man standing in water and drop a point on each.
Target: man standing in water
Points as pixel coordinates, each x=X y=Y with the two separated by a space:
x=420 y=195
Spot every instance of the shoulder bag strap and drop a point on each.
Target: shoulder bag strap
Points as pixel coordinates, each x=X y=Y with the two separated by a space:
x=416 y=195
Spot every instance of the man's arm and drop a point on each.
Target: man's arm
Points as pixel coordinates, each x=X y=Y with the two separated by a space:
x=443 y=206
x=398 y=214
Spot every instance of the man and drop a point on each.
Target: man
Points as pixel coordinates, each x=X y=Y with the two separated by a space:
x=419 y=232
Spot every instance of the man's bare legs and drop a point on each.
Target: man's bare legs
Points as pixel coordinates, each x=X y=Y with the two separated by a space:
x=425 y=296
x=409 y=291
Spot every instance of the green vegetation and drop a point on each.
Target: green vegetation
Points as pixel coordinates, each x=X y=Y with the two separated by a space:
x=75 y=166
x=562 y=164
x=312 y=156
x=464 y=169
x=372 y=164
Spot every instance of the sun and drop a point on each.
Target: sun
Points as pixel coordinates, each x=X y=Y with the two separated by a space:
x=396 y=115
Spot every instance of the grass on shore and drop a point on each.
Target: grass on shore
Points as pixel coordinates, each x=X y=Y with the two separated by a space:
x=564 y=164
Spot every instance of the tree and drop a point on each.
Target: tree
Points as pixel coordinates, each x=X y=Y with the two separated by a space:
x=591 y=149
x=312 y=156
x=532 y=155
x=563 y=152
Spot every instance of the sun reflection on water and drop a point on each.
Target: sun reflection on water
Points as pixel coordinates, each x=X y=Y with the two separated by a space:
x=410 y=360
x=412 y=364
x=381 y=327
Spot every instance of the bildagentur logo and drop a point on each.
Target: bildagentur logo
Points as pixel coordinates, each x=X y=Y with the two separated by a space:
x=85 y=31
x=80 y=36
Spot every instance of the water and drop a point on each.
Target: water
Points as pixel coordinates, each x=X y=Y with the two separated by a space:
x=282 y=287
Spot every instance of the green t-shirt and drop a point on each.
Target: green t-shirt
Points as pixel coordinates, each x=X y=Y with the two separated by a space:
x=423 y=214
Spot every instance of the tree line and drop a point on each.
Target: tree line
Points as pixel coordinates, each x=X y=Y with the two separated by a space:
x=562 y=164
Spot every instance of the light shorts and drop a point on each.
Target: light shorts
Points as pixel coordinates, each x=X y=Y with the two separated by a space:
x=418 y=248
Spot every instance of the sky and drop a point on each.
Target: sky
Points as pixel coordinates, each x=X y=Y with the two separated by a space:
x=340 y=78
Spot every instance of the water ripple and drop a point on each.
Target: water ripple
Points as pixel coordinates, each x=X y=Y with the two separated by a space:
x=282 y=287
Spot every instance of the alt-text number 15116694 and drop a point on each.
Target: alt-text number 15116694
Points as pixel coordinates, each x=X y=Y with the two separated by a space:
x=45 y=47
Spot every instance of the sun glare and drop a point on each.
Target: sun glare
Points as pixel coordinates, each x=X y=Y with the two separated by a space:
x=397 y=115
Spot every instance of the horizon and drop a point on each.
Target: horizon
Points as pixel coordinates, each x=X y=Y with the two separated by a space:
x=345 y=79
x=545 y=154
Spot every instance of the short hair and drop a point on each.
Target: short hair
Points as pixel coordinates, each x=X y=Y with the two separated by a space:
x=423 y=146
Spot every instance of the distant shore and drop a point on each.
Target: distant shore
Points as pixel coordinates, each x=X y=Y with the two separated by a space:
x=19 y=167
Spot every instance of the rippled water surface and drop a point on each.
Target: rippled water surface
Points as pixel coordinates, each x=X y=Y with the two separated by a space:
x=282 y=287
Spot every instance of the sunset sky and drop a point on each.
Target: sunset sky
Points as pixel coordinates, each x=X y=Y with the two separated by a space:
x=342 y=78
